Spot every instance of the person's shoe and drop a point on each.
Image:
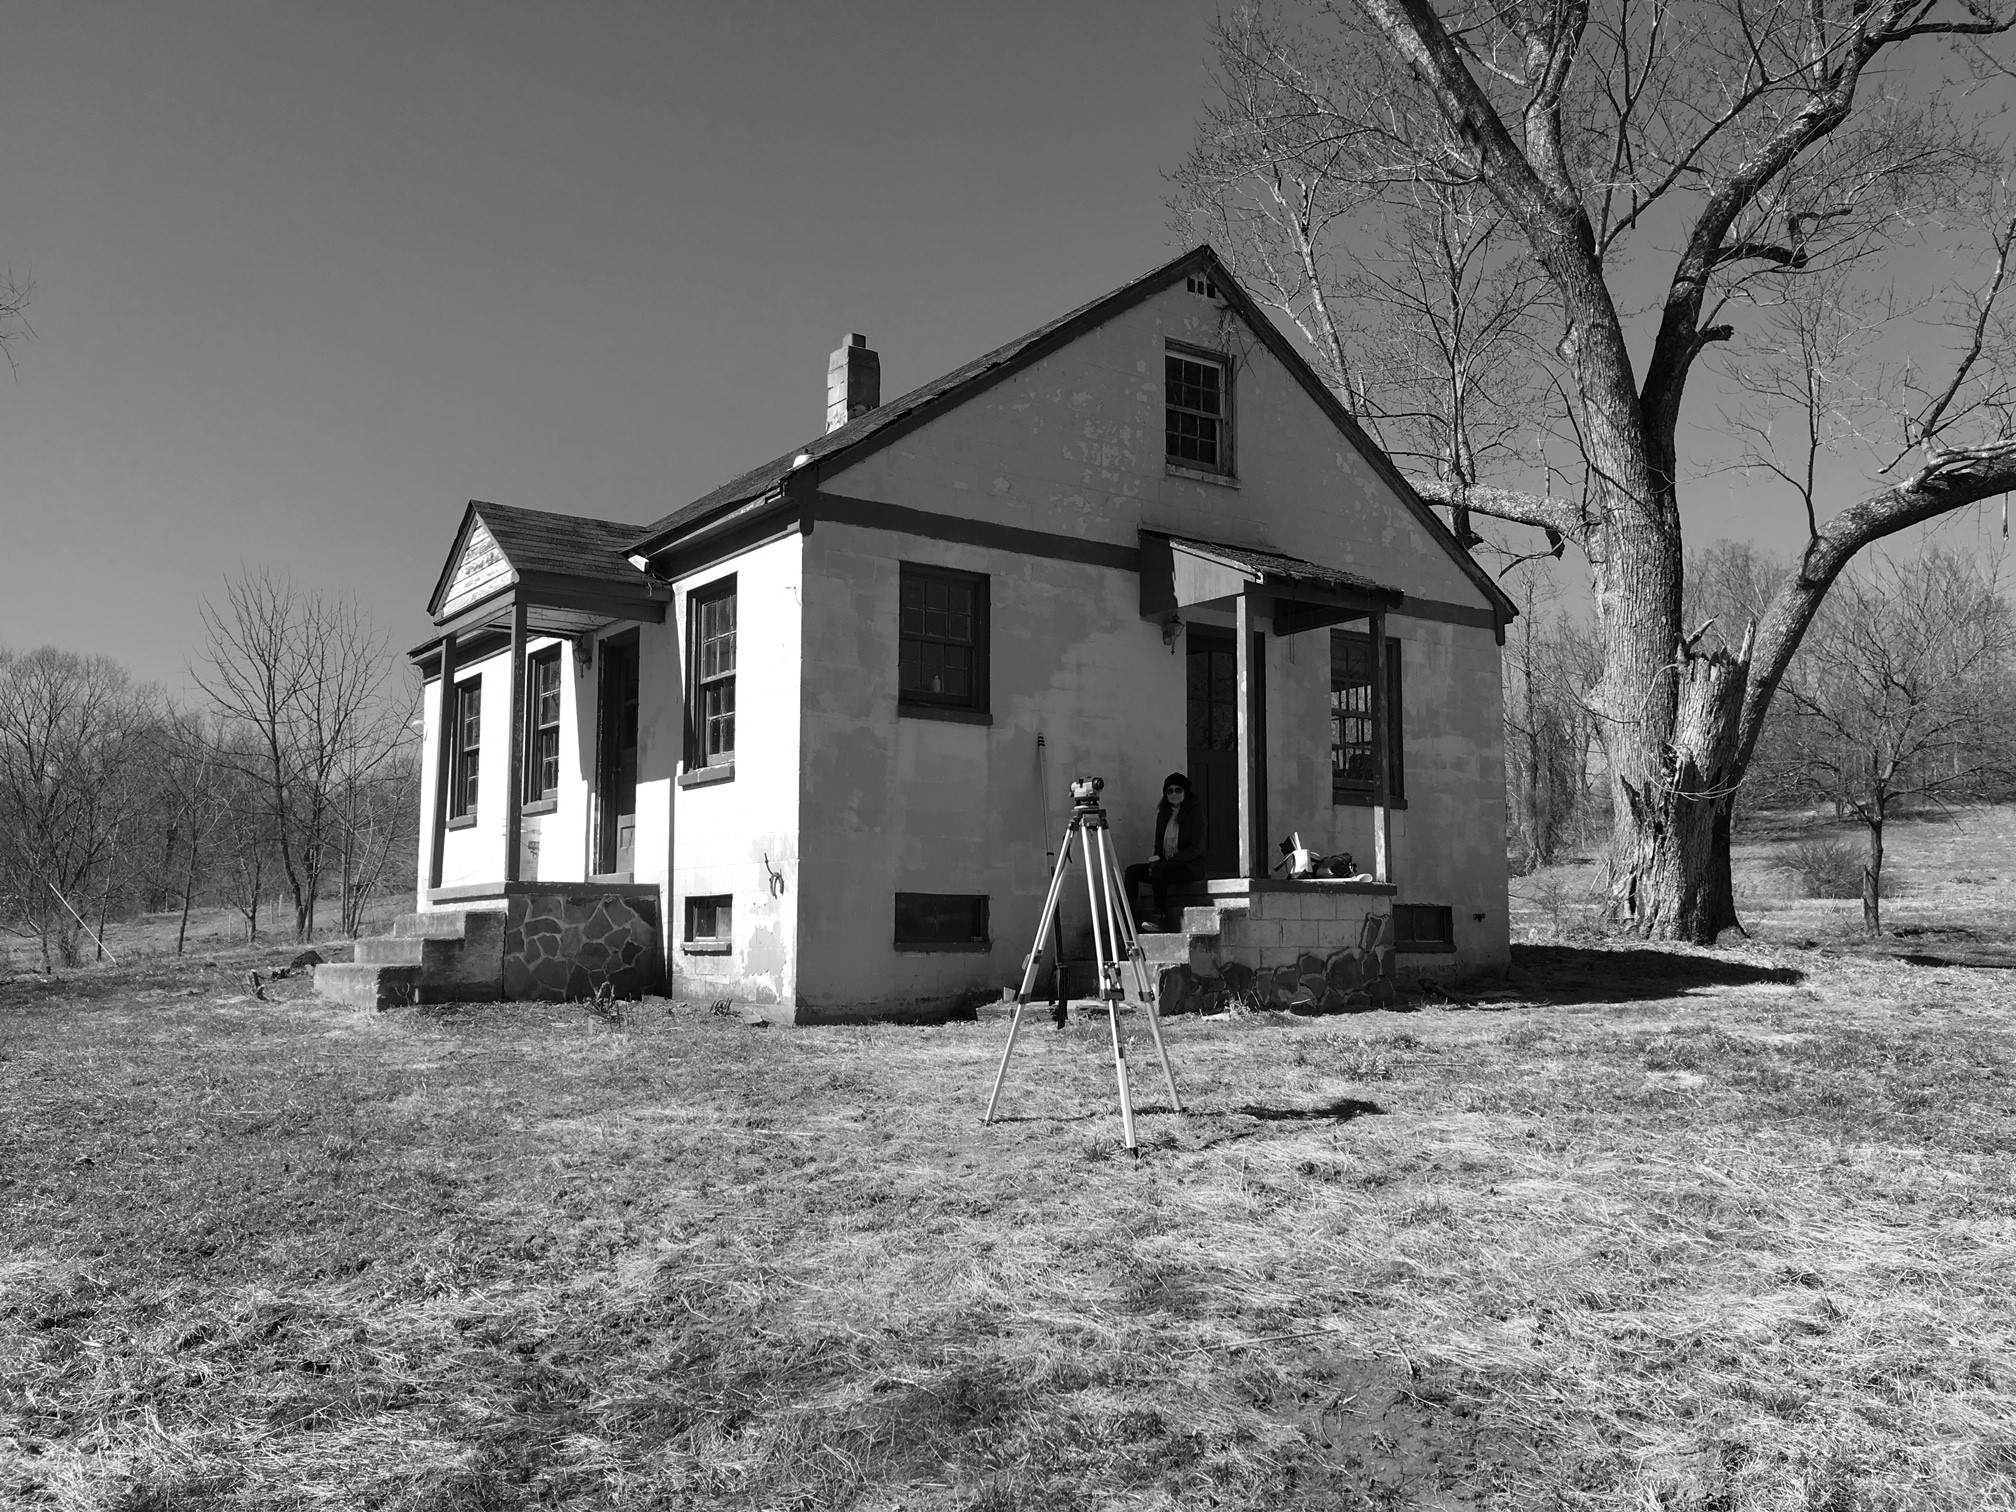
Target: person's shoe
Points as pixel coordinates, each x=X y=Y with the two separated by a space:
x=1148 y=925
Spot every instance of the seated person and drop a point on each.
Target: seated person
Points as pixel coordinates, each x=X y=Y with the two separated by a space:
x=1179 y=849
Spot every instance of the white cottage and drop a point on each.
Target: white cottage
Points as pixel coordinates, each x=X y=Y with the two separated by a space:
x=805 y=740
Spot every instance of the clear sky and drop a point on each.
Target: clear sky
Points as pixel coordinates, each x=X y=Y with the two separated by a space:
x=308 y=277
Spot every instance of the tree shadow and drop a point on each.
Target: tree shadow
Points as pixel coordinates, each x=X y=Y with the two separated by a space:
x=1584 y=974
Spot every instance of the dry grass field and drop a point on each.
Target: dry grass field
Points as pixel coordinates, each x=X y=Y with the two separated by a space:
x=1638 y=1229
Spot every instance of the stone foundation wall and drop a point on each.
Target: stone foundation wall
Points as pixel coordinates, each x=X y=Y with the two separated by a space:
x=563 y=944
x=1318 y=954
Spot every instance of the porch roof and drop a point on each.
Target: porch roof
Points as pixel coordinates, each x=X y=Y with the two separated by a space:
x=571 y=573
x=1179 y=571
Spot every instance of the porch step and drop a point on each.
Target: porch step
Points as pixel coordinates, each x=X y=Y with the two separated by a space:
x=366 y=985
x=440 y=956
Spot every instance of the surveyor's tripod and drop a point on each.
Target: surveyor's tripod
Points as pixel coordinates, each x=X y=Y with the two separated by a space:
x=1115 y=945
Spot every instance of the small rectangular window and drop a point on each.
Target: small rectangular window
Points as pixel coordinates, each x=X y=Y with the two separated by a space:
x=1351 y=718
x=1423 y=927
x=542 y=726
x=941 y=921
x=941 y=648
x=465 y=741
x=1198 y=412
x=710 y=924
x=710 y=617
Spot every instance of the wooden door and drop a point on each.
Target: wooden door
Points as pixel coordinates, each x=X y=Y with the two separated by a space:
x=1211 y=749
x=616 y=760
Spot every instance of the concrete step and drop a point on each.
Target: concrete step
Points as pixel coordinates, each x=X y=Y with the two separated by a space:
x=435 y=952
x=365 y=985
x=446 y=923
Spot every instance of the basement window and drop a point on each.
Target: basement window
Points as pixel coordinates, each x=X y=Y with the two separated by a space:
x=1424 y=927
x=942 y=921
x=710 y=925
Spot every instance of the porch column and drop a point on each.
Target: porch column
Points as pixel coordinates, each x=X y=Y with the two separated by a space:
x=1382 y=745
x=444 y=761
x=514 y=776
x=1251 y=728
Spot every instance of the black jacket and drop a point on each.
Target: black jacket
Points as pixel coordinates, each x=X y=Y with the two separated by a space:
x=1189 y=830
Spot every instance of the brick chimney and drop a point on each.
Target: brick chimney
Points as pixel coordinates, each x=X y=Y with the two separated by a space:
x=853 y=381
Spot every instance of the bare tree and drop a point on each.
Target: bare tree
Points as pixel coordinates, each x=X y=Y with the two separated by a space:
x=1550 y=669
x=1772 y=144
x=73 y=752
x=1903 y=690
x=299 y=682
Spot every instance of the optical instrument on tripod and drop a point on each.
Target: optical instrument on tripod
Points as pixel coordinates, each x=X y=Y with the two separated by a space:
x=1116 y=947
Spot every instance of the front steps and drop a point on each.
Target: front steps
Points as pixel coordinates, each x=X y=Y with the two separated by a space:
x=1314 y=946
x=450 y=956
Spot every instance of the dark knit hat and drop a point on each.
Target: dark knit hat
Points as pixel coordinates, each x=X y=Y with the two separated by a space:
x=1176 y=779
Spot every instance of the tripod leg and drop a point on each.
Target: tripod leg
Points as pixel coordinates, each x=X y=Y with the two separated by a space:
x=1120 y=1074
x=1138 y=961
x=1029 y=966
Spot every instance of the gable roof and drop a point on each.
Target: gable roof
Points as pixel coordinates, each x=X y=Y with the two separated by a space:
x=879 y=427
x=535 y=540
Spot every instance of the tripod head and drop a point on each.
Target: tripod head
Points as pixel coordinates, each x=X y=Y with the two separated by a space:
x=1085 y=793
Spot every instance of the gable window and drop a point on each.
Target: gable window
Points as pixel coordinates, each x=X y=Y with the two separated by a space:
x=710 y=925
x=1198 y=416
x=542 y=726
x=1351 y=718
x=1424 y=927
x=710 y=636
x=941 y=921
x=465 y=738
x=941 y=654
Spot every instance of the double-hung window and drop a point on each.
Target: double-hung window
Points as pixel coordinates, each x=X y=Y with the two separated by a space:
x=464 y=706
x=941 y=652
x=1351 y=718
x=542 y=726
x=1198 y=412
x=710 y=631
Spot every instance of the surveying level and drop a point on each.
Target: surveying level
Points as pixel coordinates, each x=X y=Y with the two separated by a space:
x=1116 y=945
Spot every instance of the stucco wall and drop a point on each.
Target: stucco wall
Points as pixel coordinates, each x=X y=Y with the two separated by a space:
x=722 y=832
x=1074 y=444
x=895 y=803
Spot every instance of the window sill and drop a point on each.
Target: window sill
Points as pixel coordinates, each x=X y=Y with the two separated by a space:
x=540 y=806
x=705 y=947
x=721 y=771
x=462 y=821
x=1425 y=948
x=1199 y=475
x=944 y=947
x=939 y=711
x=1362 y=800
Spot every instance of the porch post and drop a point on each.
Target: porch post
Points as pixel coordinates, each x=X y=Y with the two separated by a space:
x=1382 y=745
x=514 y=778
x=444 y=761
x=1251 y=725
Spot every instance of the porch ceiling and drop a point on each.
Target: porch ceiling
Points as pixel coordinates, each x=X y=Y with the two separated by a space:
x=1178 y=572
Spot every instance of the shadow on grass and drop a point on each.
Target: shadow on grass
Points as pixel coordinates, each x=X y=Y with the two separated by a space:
x=1343 y=1110
x=1573 y=974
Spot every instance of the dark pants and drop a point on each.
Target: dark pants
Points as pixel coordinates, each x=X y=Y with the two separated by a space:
x=1160 y=875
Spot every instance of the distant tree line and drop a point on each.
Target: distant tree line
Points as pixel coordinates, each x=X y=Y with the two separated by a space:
x=1903 y=693
x=294 y=778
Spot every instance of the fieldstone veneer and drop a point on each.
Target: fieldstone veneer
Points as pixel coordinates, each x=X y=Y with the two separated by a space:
x=1314 y=952
x=562 y=944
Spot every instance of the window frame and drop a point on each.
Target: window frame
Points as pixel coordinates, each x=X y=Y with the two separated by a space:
x=700 y=724
x=720 y=911
x=1410 y=941
x=1179 y=351
x=979 y=943
x=976 y=705
x=1352 y=791
x=538 y=797
x=463 y=702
